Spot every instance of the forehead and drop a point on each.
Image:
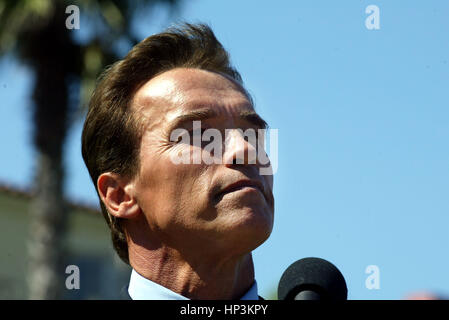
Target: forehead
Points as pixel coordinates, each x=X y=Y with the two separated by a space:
x=178 y=91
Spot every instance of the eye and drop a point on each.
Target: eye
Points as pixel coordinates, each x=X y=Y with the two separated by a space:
x=197 y=133
x=188 y=136
x=192 y=132
x=251 y=135
x=179 y=135
x=178 y=140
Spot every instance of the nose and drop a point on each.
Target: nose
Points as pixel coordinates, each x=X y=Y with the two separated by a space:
x=240 y=147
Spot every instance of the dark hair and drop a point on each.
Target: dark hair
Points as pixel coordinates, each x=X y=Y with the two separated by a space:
x=111 y=134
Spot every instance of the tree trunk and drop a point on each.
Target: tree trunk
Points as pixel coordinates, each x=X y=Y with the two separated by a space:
x=48 y=211
x=48 y=214
x=52 y=58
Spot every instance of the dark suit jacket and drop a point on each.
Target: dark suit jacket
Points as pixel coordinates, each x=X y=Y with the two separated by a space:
x=124 y=295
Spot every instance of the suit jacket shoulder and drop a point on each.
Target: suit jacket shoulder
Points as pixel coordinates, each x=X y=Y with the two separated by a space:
x=124 y=295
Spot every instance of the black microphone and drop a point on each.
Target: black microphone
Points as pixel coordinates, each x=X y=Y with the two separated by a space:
x=312 y=279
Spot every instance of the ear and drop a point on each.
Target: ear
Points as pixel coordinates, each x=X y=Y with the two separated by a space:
x=117 y=195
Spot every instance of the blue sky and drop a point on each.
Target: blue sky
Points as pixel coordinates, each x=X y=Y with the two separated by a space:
x=363 y=120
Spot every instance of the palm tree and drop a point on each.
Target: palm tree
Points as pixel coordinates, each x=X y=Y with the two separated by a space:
x=64 y=69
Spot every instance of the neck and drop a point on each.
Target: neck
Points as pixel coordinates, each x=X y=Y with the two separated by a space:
x=194 y=277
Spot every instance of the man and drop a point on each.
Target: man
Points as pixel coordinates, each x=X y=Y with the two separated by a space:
x=186 y=229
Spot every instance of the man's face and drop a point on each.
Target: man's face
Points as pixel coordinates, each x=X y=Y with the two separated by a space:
x=191 y=206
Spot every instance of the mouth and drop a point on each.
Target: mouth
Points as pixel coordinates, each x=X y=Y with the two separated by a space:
x=243 y=185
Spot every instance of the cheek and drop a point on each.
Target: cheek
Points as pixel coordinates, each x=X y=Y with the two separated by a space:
x=171 y=194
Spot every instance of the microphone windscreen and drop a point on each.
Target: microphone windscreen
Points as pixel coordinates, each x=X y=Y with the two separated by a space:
x=312 y=274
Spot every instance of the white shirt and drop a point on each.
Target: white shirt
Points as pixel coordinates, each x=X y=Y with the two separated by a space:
x=141 y=288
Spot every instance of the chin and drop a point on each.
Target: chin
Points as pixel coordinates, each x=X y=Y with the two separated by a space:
x=249 y=228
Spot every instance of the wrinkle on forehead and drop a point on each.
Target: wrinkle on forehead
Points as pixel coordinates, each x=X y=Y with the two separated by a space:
x=175 y=83
x=177 y=90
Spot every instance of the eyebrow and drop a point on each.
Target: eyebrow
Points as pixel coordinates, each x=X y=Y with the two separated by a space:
x=207 y=113
x=254 y=118
x=200 y=114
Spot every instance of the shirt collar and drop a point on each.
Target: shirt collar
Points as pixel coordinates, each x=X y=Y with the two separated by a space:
x=141 y=288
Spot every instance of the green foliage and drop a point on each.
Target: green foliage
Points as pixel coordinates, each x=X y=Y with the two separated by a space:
x=25 y=23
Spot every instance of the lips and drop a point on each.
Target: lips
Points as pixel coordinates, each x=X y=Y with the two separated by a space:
x=242 y=184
